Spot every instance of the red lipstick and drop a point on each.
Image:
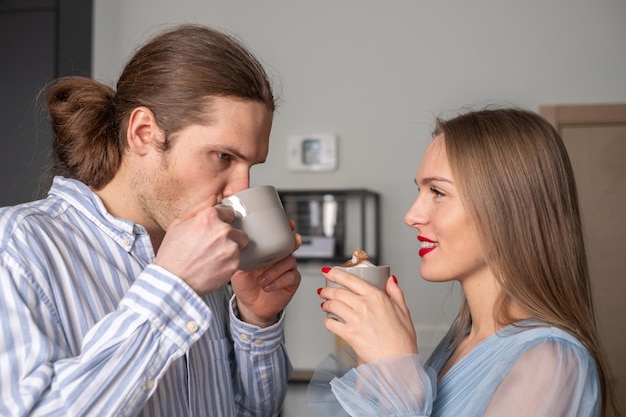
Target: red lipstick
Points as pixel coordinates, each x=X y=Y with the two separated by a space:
x=427 y=245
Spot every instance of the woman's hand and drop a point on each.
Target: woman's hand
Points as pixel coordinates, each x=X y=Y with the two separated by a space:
x=376 y=324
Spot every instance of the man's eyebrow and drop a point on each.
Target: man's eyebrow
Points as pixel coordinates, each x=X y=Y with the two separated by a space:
x=232 y=151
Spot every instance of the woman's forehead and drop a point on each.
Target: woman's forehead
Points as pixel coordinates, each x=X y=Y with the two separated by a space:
x=435 y=159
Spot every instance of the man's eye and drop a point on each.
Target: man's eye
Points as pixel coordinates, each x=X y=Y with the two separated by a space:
x=224 y=156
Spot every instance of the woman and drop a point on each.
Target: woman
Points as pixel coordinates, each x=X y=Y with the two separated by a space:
x=497 y=211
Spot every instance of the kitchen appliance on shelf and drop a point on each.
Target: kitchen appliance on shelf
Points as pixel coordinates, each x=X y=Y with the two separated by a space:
x=334 y=222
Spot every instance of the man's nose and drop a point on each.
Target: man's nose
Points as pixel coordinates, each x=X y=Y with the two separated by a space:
x=237 y=184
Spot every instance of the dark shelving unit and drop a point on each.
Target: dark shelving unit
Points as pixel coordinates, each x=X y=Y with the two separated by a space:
x=357 y=221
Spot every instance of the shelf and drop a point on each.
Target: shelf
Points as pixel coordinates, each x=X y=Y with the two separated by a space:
x=301 y=375
x=333 y=222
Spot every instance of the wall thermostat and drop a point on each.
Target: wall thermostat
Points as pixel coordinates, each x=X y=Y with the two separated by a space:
x=316 y=152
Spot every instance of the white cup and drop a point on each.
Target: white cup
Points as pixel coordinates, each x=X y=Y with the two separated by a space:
x=259 y=213
x=374 y=275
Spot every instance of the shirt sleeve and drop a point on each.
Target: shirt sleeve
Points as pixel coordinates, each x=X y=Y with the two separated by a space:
x=549 y=379
x=399 y=386
x=121 y=359
x=263 y=366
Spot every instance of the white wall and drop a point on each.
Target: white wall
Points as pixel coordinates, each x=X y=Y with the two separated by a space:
x=377 y=72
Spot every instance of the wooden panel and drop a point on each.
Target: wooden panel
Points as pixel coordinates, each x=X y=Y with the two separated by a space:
x=595 y=137
x=578 y=115
x=598 y=156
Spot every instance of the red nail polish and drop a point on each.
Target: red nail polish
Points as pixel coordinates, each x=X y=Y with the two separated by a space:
x=319 y=290
x=322 y=305
x=325 y=269
x=394 y=279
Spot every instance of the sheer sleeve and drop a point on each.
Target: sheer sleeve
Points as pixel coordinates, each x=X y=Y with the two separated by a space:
x=399 y=386
x=534 y=372
x=548 y=379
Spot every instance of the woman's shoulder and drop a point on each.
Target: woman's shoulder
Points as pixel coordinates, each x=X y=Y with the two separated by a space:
x=526 y=335
x=528 y=330
x=539 y=352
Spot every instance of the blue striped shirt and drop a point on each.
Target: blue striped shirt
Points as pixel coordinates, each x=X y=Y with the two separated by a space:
x=90 y=327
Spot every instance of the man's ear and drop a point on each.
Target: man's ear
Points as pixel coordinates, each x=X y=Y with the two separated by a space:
x=142 y=130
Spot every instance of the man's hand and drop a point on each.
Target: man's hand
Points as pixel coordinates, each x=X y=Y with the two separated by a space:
x=264 y=293
x=202 y=248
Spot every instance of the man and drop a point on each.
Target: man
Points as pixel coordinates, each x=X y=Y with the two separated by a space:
x=114 y=292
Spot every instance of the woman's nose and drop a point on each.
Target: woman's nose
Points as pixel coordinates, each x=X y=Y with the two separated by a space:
x=416 y=215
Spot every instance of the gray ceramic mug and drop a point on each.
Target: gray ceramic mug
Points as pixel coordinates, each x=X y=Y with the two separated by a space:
x=374 y=275
x=259 y=213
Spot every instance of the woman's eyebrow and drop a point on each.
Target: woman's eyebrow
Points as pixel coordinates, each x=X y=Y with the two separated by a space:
x=428 y=180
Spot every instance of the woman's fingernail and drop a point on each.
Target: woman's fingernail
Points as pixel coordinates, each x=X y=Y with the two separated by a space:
x=319 y=290
x=325 y=269
x=322 y=305
x=394 y=279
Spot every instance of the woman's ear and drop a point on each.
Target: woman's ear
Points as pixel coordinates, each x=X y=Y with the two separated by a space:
x=142 y=130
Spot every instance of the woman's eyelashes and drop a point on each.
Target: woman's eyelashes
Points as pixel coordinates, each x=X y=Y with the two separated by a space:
x=437 y=192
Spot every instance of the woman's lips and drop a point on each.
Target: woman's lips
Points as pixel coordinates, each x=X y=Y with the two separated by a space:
x=427 y=246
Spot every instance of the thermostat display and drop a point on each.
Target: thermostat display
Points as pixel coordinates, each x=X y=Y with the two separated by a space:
x=316 y=152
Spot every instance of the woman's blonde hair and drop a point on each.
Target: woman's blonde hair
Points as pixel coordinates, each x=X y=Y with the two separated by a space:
x=517 y=184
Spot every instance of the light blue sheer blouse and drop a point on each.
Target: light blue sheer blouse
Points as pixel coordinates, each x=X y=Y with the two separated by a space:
x=539 y=371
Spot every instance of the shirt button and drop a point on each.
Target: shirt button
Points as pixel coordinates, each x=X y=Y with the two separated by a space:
x=244 y=337
x=264 y=376
x=149 y=384
x=136 y=230
x=126 y=242
x=192 y=326
x=259 y=342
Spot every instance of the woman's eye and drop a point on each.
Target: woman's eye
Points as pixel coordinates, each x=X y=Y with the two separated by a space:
x=436 y=192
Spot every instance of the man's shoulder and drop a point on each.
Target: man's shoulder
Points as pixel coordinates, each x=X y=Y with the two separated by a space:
x=28 y=216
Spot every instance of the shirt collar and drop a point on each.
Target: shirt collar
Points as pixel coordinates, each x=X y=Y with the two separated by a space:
x=83 y=199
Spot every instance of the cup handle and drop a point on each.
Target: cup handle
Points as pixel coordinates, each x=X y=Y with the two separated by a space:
x=237 y=214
